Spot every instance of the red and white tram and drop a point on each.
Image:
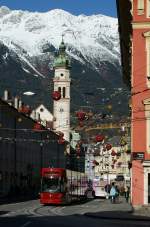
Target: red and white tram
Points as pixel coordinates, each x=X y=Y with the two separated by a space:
x=61 y=186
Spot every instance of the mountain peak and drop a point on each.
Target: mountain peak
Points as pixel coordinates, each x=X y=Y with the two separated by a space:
x=59 y=11
x=28 y=43
x=94 y=37
x=4 y=10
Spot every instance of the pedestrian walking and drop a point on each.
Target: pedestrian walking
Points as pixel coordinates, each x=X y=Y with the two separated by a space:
x=107 y=188
x=117 y=194
x=127 y=193
x=113 y=193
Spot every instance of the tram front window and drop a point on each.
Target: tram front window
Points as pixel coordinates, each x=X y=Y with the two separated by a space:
x=51 y=184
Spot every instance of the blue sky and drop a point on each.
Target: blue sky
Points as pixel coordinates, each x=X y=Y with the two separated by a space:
x=87 y=7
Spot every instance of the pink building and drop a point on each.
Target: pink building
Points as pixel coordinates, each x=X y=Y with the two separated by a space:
x=134 y=29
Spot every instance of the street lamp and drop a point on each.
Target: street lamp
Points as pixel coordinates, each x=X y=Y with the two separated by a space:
x=38 y=128
x=107 y=172
x=16 y=119
x=41 y=153
x=15 y=151
x=58 y=155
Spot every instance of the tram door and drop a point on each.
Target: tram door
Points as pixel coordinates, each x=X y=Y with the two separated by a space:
x=148 y=187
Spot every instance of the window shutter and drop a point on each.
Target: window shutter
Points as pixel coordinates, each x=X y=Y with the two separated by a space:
x=148 y=62
x=140 y=4
x=140 y=7
x=148 y=8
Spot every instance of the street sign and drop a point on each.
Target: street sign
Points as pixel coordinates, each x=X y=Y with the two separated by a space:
x=138 y=155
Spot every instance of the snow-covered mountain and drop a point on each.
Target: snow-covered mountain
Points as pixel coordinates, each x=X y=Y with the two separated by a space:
x=27 y=33
x=33 y=38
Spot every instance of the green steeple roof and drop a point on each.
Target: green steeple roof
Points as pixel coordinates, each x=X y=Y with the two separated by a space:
x=62 y=60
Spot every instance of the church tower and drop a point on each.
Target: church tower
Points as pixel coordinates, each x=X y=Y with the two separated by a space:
x=61 y=104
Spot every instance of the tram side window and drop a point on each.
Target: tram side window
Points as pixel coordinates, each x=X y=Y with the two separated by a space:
x=63 y=185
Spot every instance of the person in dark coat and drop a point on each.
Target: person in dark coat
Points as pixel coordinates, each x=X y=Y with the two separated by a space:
x=127 y=193
x=107 y=188
x=117 y=194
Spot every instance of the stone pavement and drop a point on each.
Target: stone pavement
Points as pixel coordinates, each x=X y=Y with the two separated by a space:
x=119 y=210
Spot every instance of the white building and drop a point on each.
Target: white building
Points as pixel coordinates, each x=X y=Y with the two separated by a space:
x=42 y=114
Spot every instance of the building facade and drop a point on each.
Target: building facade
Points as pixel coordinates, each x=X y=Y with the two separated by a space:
x=42 y=114
x=25 y=147
x=134 y=28
x=111 y=163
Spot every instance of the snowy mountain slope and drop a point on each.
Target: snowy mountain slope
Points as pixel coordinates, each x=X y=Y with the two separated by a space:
x=95 y=36
x=28 y=45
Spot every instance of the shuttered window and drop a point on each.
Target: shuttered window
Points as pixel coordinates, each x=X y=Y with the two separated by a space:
x=148 y=133
x=147 y=52
x=148 y=60
x=147 y=121
x=140 y=7
x=148 y=8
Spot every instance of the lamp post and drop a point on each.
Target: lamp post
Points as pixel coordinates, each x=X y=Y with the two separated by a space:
x=41 y=153
x=58 y=164
x=15 y=151
x=107 y=172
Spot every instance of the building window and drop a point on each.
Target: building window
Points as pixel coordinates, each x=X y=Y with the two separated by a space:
x=140 y=7
x=147 y=37
x=64 y=92
x=147 y=115
x=148 y=62
x=59 y=89
x=62 y=74
x=148 y=8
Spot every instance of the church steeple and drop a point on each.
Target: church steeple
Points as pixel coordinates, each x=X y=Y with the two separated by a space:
x=62 y=59
x=61 y=107
x=62 y=47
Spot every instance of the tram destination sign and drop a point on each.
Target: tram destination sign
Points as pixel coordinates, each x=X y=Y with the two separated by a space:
x=138 y=155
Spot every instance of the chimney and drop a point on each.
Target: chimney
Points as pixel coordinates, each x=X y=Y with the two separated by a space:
x=20 y=103
x=6 y=95
x=34 y=114
x=16 y=102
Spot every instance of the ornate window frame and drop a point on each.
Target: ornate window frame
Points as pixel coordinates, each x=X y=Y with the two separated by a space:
x=140 y=7
x=148 y=8
x=147 y=48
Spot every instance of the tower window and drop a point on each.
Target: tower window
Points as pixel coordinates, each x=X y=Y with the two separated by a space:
x=59 y=89
x=62 y=74
x=64 y=92
x=41 y=109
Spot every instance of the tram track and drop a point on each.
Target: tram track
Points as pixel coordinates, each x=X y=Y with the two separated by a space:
x=37 y=210
x=45 y=211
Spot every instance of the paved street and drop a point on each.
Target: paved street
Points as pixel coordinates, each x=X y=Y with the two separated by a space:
x=94 y=213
